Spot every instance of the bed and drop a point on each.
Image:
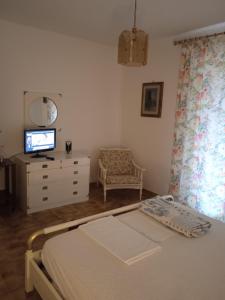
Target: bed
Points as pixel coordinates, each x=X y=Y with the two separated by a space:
x=72 y=266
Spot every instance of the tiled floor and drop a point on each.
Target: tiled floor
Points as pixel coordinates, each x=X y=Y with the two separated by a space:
x=16 y=227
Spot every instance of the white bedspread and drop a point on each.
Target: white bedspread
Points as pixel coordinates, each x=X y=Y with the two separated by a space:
x=185 y=269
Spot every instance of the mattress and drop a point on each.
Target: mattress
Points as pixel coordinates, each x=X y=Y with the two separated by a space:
x=185 y=268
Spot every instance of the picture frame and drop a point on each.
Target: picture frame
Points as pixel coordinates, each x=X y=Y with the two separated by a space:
x=152 y=95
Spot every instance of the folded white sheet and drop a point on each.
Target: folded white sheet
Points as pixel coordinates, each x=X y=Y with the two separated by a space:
x=119 y=239
x=148 y=227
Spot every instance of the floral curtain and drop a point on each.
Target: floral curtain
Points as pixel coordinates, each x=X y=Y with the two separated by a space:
x=198 y=157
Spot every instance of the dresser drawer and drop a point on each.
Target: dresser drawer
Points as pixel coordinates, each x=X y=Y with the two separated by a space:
x=75 y=162
x=76 y=170
x=57 y=174
x=36 y=166
x=52 y=193
x=44 y=176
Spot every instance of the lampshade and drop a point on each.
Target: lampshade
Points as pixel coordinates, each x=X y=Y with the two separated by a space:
x=133 y=46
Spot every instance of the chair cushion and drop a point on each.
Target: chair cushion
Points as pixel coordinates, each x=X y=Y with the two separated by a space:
x=122 y=179
x=117 y=162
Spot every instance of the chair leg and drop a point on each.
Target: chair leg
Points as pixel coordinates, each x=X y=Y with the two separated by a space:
x=140 y=193
x=104 y=194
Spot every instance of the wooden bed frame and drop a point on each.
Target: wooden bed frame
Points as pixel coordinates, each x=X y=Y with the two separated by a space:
x=34 y=275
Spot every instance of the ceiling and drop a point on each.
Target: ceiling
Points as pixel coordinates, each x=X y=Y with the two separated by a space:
x=103 y=20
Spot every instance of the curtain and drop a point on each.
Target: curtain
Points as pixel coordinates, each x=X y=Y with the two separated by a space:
x=198 y=156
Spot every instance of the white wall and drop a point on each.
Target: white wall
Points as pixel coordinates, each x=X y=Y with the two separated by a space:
x=84 y=72
x=151 y=138
x=93 y=87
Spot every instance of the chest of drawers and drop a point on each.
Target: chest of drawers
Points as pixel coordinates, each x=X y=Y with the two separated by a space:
x=44 y=184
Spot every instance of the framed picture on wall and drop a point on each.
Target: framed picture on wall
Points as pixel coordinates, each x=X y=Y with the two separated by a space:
x=151 y=104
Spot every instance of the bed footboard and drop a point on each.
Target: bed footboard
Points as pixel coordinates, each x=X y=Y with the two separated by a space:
x=36 y=278
x=75 y=223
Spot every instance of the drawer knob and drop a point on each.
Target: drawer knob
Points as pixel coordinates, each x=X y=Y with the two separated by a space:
x=44 y=198
x=75 y=162
x=75 y=182
x=75 y=172
x=45 y=176
x=75 y=193
x=45 y=187
x=44 y=166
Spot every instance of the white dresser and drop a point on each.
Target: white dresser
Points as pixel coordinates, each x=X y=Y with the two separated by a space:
x=44 y=184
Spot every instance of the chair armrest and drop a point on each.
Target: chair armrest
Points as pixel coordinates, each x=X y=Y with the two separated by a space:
x=138 y=171
x=102 y=171
x=137 y=166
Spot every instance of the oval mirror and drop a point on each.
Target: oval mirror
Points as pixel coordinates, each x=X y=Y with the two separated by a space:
x=43 y=111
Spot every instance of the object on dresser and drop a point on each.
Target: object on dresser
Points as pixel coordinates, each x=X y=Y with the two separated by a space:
x=46 y=184
x=39 y=140
x=176 y=216
x=68 y=147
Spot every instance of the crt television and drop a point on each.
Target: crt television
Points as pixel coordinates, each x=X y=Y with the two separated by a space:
x=39 y=140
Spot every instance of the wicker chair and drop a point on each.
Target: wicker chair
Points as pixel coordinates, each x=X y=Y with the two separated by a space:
x=117 y=170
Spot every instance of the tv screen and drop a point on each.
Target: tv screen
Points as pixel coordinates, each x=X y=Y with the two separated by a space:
x=39 y=140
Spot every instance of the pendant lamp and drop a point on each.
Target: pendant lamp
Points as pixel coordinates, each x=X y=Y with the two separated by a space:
x=133 y=46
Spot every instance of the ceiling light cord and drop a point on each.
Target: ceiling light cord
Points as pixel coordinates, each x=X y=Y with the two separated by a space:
x=135 y=9
x=133 y=45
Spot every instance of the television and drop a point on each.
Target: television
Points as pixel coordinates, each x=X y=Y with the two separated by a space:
x=39 y=140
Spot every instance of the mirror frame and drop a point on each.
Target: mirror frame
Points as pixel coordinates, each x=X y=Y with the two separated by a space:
x=45 y=105
x=30 y=97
